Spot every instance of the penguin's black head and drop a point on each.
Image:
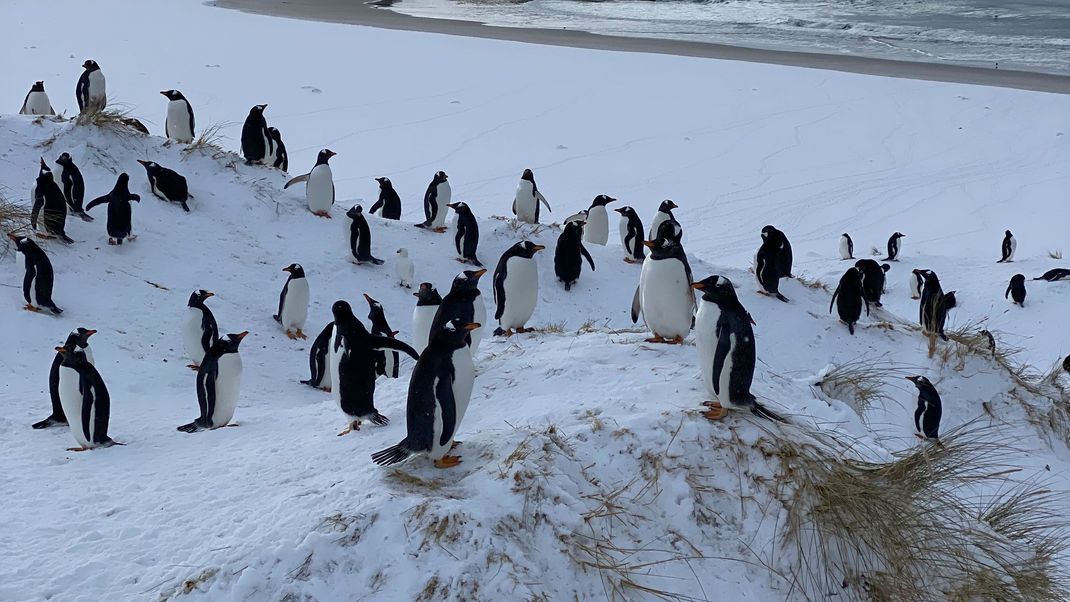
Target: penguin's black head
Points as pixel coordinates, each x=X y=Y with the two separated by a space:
x=898 y=235
x=149 y=166
x=324 y=156
x=90 y=65
x=886 y=266
x=79 y=337
x=384 y=183
x=45 y=169
x=669 y=233
x=198 y=297
x=275 y=135
x=1018 y=278
x=1066 y=363
x=427 y=293
x=920 y=382
x=372 y=303
x=575 y=227
x=625 y=210
x=402 y=252
x=70 y=358
x=528 y=175
x=440 y=177
x=468 y=279
x=527 y=249
x=22 y=243
x=355 y=211
x=38 y=86
x=65 y=159
x=173 y=95
x=1007 y=233
x=602 y=200
x=257 y=109
x=455 y=332
x=342 y=311
x=717 y=289
x=230 y=342
x=460 y=207
x=667 y=206
x=295 y=270
x=770 y=231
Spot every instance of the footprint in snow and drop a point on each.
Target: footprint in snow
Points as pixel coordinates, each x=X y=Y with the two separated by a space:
x=312 y=89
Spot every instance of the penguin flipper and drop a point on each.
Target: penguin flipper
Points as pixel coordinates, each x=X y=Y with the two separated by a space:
x=835 y=294
x=102 y=407
x=761 y=411
x=636 y=306
x=282 y=300
x=590 y=259
x=298 y=180
x=383 y=343
x=539 y=198
x=720 y=354
x=782 y=297
x=445 y=399
x=206 y=382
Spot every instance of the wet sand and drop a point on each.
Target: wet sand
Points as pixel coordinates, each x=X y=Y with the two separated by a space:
x=356 y=12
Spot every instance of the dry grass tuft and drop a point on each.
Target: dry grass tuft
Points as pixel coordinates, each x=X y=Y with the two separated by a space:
x=116 y=119
x=813 y=283
x=209 y=142
x=1055 y=253
x=14 y=217
x=861 y=383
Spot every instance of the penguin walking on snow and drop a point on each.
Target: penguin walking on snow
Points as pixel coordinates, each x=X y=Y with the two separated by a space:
x=570 y=253
x=847 y=246
x=467 y=238
x=404 y=269
x=218 y=384
x=166 y=184
x=934 y=305
x=423 y=316
x=293 y=302
x=319 y=362
x=85 y=401
x=200 y=331
x=119 y=212
x=664 y=295
x=767 y=265
x=436 y=199
x=784 y=258
x=1016 y=289
x=319 y=185
x=69 y=178
x=37 y=102
x=388 y=203
x=516 y=288
x=39 y=279
x=917 y=280
x=631 y=235
x=893 y=246
x=180 y=124
x=930 y=409
x=463 y=302
x=873 y=279
x=91 y=89
x=256 y=141
x=664 y=213
x=77 y=342
x=439 y=392
x=360 y=237
x=279 y=158
x=1009 y=246
x=1055 y=275
x=850 y=297
x=528 y=199
x=387 y=362
x=48 y=199
x=596 y=231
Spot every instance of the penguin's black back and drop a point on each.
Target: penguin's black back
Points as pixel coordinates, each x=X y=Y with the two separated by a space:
x=467 y=237
x=849 y=299
x=317 y=357
x=252 y=137
x=569 y=254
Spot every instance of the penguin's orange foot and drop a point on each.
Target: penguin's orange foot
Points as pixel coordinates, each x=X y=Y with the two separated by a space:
x=629 y=260
x=656 y=339
x=30 y=307
x=77 y=449
x=300 y=335
x=447 y=461
x=193 y=367
x=716 y=412
x=353 y=426
x=323 y=214
x=327 y=389
x=677 y=340
x=522 y=330
x=712 y=404
x=440 y=229
x=290 y=335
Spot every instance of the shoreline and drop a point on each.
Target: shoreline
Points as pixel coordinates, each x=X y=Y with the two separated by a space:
x=357 y=12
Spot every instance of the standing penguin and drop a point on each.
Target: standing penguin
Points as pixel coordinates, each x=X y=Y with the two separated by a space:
x=404 y=269
x=293 y=302
x=631 y=235
x=873 y=279
x=767 y=264
x=917 y=280
x=256 y=141
x=179 y=125
x=727 y=352
x=200 y=331
x=71 y=185
x=439 y=392
x=596 y=231
x=166 y=184
x=467 y=238
x=567 y=255
x=319 y=362
x=91 y=92
x=37 y=102
x=39 y=278
x=527 y=200
x=119 y=213
x=664 y=294
x=388 y=203
x=464 y=302
x=218 y=384
x=360 y=237
x=1016 y=289
x=77 y=342
x=436 y=199
x=85 y=400
x=784 y=258
x=664 y=213
x=1010 y=245
x=427 y=303
x=930 y=409
x=893 y=247
x=847 y=246
x=48 y=197
x=934 y=305
x=516 y=287
x=319 y=185
x=279 y=157
x=387 y=362
x=849 y=294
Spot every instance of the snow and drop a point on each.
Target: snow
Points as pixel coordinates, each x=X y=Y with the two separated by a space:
x=559 y=420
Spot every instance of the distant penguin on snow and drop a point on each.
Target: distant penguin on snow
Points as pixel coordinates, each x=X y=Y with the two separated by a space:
x=570 y=253
x=427 y=302
x=293 y=302
x=37 y=102
x=664 y=213
x=319 y=359
x=91 y=89
x=528 y=199
x=873 y=279
x=404 y=269
x=596 y=231
x=917 y=281
x=466 y=240
x=69 y=178
x=1055 y=275
x=218 y=385
x=664 y=296
x=200 y=331
x=319 y=185
x=256 y=141
x=893 y=246
x=85 y=401
x=930 y=409
x=360 y=237
x=1009 y=246
x=516 y=288
x=767 y=265
x=847 y=246
x=119 y=212
x=850 y=297
x=50 y=206
x=436 y=199
x=180 y=125
x=463 y=302
x=39 y=279
x=631 y=235
x=1016 y=289
x=166 y=184
x=388 y=362
x=77 y=342
x=280 y=159
x=388 y=203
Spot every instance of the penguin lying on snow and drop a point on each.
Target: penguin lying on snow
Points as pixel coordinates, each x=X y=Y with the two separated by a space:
x=167 y=184
x=119 y=213
x=631 y=235
x=1007 y=249
x=200 y=332
x=436 y=199
x=516 y=288
x=570 y=253
x=319 y=185
x=423 y=316
x=39 y=278
x=218 y=384
x=85 y=401
x=664 y=296
x=930 y=409
x=293 y=302
x=180 y=125
x=1055 y=275
x=389 y=203
x=360 y=237
x=467 y=239
x=77 y=342
x=37 y=102
x=319 y=360
x=48 y=198
x=1016 y=289
x=849 y=293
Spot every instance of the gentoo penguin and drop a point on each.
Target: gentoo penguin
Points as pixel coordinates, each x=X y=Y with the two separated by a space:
x=389 y=203
x=631 y=235
x=360 y=237
x=934 y=305
x=387 y=362
x=596 y=231
x=319 y=185
x=1016 y=289
x=427 y=303
x=279 y=157
x=119 y=212
x=893 y=247
x=1066 y=363
x=353 y=353
x=847 y=246
x=849 y=295
x=256 y=141
x=767 y=264
x=930 y=409
x=664 y=213
x=218 y=384
x=917 y=280
x=71 y=184
x=664 y=294
x=436 y=199
x=180 y=123
x=784 y=258
x=434 y=411
x=85 y=400
x=49 y=197
x=77 y=342
x=516 y=287
x=527 y=199
x=464 y=302
x=37 y=283
x=727 y=351
x=404 y=269
x=467 y=238
x=91 y=92
x=570 y=253
x=37 y=102
x=873 y=279
x=579 y=216
x=1010 y=245
x=166 y=184
x=319 y=360
x=293 y=302
x=1055 y=275
x=200 y=331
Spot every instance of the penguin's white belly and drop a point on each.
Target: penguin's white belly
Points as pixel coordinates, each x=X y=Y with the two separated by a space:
x=57 y=177
x=654 y=225
x=443 y=197
x=319 y=190
x=192 y=333
x=479 y=315
x=405 y=270
x=597 y=229
x=524 y=202
x=422 y=317
x=295 y=305
x=71 y=400
x=33 y=291
x=845 y=249
x=464 y=375
x=915 y=287
x=227 y=387
x=521 y=292
x=96 y=93
x=666 y=298
x=178 y=121
x=1014 y=247
x=37 y=104
x=88 y=351
x=706 y=339
x=623 y=227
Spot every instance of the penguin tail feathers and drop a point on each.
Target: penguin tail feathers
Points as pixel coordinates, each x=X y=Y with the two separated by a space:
x=761 y=411
x=391 y=455
x=851 y=327
x=782 y=297
x=277 y=318
x=379 y=419
x=192 y=427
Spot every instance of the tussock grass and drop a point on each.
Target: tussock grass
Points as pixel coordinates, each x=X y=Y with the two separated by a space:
x=210 y=141
x=14 y=217
x=116 y=119
x=813 y=283
x=861 y=383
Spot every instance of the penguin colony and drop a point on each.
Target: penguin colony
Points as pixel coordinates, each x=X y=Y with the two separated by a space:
x=346 y=358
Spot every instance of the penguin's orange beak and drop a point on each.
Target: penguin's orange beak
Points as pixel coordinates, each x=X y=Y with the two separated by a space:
x=539 y=247
x=480 y=272
x=60 y=349
x=142 y=161
x=90 y=333
x=452 y=206
x=648 y=243
x=12 y=236
x=243 y=334
x=472 y=326
x=698 y=286
x=208 y=294
x=331 y=153
x=368 y=298
x=164 y=92
x=288 y=269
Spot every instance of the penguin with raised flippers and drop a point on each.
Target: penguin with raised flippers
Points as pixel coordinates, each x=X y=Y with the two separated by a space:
x=516 y=288
x=423 y=316
x=664 y=296
x=596 y=231
x=767 y=264
x=438 y=196
x=894 y=246
x=166 y=184
x=570 y=253
x=389 y=202
x=319 y=185
x=119 y=212
x=1007 y=249
x=847 y=246
x=91 y=90
x=664 y=213
x=467 y=238
x=256 y=141
x=71 y=184
x=873 y=279
x=388 y=361
x=850 y=297
x=39 y=279
x=200 y=331
x=930 y=409
x=631 y=235
x=360 y=237
x=528 y=200
x=85 y=401
x=319 y=360
x=180 y=125
x=293 y=302
x=48 y=199
x=463 y=302
x=1055 y=275
x=77 y=342
x=218 y=384
x=37 y=102
x=1016 y=289
x=934 y=305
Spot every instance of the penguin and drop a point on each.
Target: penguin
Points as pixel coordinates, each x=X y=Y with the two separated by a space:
x=596 y=231
x=48 y=197
x=893 y=247
x=218 y=384
x=579 y=216
x=388 y=361
x=934 y=305
x=516 y=287
x=353 y=354
x=727 y=351
x=847 y=247
x=991 y=340
x=38 y=281
x=427 y=303
x=256 y=141
x=319 y=185
x=917 y=280
x=119 y=213
x=849 y=294
x=279 y=157
x=930 y=409
x=631 y=235
x=166 y=184
x=91 y=89
x=37 y=102
x=360 y=237
x=319 y=360
x=873 y=279
x=389 y=203
x=1016 y=289
x=567 y=255
x=200 y=332
x=77 y=342
x=1066 y=363
x=71 y=184
x=1055 y=275
x=293 y=302
x=527 y=200
x=463 y=301
x=404 y=268
x=1010 y=245
x=767 y=264
x=85 y=401
x=664 y=213
x=436 y=199
x=467 y=238
x=439 y=392
x=784 y=258
x=664 y=295
x=179 y=125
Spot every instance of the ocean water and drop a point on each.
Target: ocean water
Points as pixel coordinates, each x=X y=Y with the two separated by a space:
x=1032 y=35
